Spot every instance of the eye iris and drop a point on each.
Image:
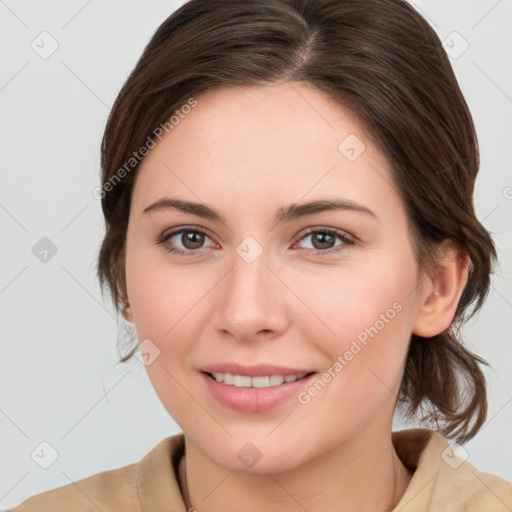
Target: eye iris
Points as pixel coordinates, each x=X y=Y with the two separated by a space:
x=193 y=237
x=322 y=237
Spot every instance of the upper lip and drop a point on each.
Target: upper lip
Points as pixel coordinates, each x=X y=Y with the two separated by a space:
x=260 y=370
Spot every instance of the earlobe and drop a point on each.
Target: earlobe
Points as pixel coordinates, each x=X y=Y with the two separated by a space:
x=441 y=292
x=127 y=312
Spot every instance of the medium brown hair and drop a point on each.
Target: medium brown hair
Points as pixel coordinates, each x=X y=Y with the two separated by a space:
x=382 y=61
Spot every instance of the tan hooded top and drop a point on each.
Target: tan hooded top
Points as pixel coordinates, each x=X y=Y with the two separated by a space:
x=442 y=482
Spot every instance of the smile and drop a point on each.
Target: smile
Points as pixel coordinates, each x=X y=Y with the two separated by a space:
x=254 y=393
x=245 y=381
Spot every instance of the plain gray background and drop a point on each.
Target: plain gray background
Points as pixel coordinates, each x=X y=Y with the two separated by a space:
x=59 y=382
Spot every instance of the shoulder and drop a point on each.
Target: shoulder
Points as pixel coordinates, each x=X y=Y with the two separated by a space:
x=445 y=481
x=469 y=490
x=135 y=487
x=106 y=491
x=487 y=492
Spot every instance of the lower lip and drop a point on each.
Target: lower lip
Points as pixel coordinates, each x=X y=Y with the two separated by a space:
x=254 y=400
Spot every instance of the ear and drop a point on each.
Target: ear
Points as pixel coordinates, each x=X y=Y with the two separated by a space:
x=127 y=312
x=441 y=292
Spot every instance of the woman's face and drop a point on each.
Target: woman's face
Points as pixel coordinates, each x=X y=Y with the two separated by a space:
x=265 y=293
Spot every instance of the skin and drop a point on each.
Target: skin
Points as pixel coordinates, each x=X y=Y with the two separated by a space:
x=247 y=151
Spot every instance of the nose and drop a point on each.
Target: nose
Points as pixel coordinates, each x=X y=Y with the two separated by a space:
x=251 y=301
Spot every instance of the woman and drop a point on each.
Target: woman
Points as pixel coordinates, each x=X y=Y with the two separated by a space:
x=287 y=188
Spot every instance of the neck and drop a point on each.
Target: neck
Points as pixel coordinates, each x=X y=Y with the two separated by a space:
x=359 y=475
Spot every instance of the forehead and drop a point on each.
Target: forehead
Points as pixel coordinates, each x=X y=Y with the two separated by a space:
x=277 y=142
x=268 y=121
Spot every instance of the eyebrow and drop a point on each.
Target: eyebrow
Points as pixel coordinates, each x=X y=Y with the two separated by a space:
x=284 y=214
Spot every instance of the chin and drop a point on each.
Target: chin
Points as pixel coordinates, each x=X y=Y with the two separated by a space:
x=240 y=454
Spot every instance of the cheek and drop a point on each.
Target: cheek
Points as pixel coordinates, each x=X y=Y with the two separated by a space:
x=365 y=317
x=348 y=302
x=162 y=296
x=170 y=308
x=165 y=303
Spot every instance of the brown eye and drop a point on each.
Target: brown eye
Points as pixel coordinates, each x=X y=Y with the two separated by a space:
x=323 y=241
x=191 y=239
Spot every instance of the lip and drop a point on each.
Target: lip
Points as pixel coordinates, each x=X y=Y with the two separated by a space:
x=255 y=400
x=254 y=371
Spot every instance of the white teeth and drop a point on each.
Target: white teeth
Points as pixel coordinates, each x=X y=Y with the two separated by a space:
x=260 y=382
x=244 y=381
x=276 y=380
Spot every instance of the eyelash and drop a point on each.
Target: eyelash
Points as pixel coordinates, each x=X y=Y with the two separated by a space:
x=347 y=241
